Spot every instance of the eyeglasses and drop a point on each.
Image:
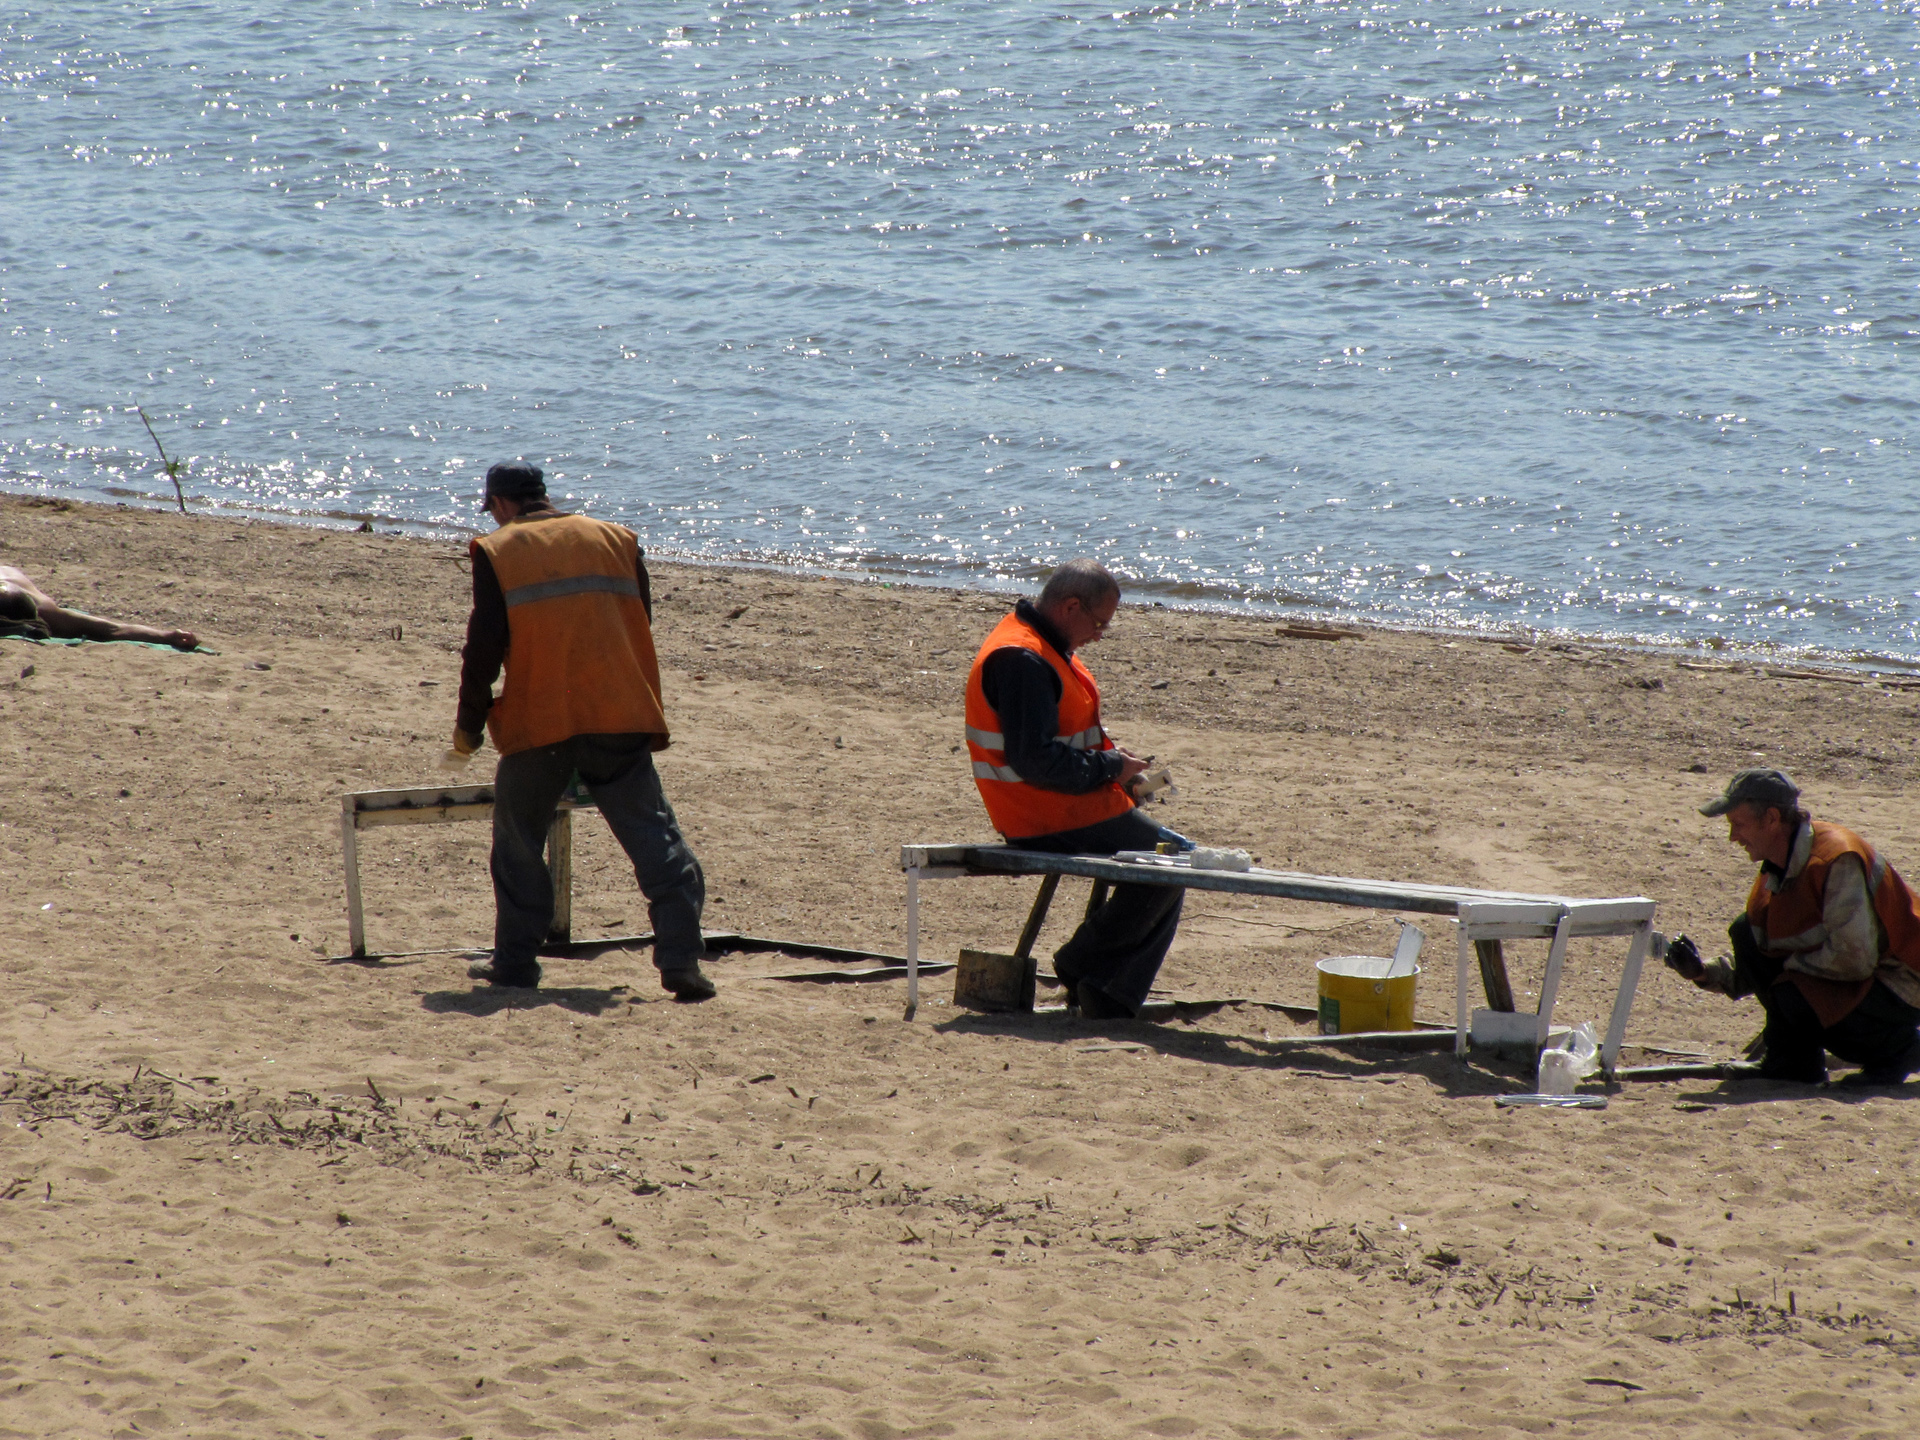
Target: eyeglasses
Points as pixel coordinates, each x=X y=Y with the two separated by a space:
x=1093 y=618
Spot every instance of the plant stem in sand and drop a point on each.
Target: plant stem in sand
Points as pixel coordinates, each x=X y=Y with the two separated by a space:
x=172 y=466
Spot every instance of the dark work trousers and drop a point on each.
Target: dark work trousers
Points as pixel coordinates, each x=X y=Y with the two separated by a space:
x=1875 y=1033
x=1119 y=947
x=618 y=771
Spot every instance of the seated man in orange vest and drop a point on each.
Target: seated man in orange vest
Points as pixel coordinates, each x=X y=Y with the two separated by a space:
x=563 y=601
x=1052 y=780
x=1829 y=943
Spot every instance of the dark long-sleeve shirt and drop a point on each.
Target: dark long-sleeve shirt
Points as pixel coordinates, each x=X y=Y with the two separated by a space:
x=1024 y=691
x=486 y=648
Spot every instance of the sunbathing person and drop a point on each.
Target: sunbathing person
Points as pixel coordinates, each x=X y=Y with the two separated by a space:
x=23 y=603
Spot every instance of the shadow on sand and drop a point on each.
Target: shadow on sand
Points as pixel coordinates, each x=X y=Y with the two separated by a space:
x=490 y=1000
x=1190 y=1041
x=1752 y=1090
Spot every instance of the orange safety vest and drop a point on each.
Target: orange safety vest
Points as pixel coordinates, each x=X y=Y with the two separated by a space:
x=1019 y=810
x=580 y=655
x=1800 y=905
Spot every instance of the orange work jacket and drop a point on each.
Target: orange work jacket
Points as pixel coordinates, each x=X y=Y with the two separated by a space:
x=1800 y=904
x=1018 y=810
x=580 y=655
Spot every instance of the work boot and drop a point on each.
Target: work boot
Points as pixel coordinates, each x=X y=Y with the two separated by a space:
x=688 y=985
x=1096 y=1004
x=514 y=978
x=1800 y=1073
x=1894 y=1072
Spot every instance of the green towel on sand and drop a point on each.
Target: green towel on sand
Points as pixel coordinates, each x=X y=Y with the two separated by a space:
x=35 y=633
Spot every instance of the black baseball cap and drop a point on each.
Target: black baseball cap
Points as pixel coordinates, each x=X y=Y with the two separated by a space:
x=1768 y=789
x=515 y=480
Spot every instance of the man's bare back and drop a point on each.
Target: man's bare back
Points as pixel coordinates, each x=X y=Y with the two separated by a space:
x=21 y=599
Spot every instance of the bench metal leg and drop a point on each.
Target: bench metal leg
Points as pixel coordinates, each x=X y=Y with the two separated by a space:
x=1623 y=1001
x=560 y=867
x=350 y=858
x=1550 y=982
x=1462 y=997
x=1036 y=917
x=913 y=943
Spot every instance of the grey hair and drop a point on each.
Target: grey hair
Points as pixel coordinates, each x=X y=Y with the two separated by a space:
x=1087 y=581
x=1793 y=816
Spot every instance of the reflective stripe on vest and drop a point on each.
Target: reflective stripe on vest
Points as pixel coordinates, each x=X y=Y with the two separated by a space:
x=1019 y=810
x=1093 y=738
x=573 y=585
x=580 y=658
x=984 y=770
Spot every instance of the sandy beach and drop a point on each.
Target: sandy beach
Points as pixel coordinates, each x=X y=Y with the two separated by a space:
x=256 y=1189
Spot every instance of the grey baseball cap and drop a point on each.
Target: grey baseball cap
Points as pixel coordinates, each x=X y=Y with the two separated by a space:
x=1768 y=789
x=515 y=480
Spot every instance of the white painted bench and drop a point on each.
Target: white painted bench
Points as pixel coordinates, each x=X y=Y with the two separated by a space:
x=1486 y=918
x=444 y=805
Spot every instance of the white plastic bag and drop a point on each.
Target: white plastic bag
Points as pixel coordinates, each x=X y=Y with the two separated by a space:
x=1584 y=1046
x=1563 y=1066
x=1556 y=1073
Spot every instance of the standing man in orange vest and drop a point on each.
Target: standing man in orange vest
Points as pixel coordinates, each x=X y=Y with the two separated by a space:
x=1829 y=943
x=1052 y=780
x=563 y=601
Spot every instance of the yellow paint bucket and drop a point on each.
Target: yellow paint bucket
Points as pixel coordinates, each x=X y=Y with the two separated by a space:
x=1356 y=995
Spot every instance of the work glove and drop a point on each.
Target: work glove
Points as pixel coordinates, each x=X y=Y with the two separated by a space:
x=1683 y=958
x=460 y=751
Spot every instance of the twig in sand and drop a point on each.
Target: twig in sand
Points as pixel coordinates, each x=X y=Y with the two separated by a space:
x=172 y=466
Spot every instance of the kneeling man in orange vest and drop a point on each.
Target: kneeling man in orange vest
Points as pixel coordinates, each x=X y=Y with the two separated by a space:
x=1829 y=943
x=1052 y=780
x=564 y=603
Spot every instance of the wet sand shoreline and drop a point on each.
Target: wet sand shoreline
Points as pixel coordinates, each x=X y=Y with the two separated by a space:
x=1858 y=664
x=363 y=1199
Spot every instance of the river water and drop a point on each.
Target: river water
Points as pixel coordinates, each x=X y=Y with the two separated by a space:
x=1596 y=319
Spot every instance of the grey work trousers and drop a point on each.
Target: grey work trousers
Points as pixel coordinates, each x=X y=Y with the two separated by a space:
x=1119 y=948
x=619 y=774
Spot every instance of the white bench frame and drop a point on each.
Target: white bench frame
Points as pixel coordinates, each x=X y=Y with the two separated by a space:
x=1482 y=915
x=442 y=805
